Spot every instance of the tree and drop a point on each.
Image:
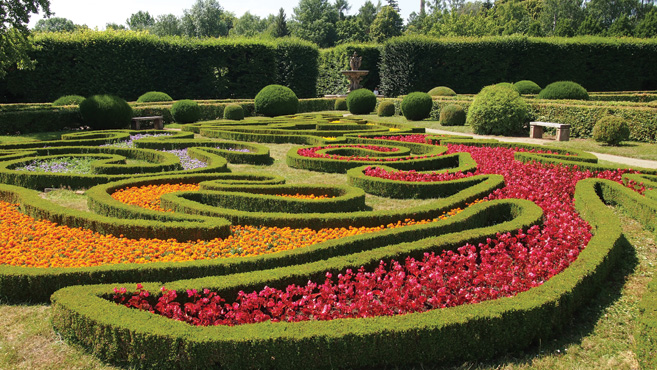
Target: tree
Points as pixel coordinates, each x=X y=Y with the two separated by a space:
x=315 y=21
x=14 y=45
x=342 y=7
x=394 y=4
x=55 y=24
x=566 y=14
x=647 y=27
x=114 y=26
x=510 y=17
x=140 y=21
x=167 y=25
x=206 y=18
x=279 y=28
x=590 y=26
x=248 y=25
x=387 y=24
x=608 y=11
x=622 y=26
x=352 y=29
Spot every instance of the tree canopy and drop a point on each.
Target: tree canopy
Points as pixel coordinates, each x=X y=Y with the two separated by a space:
x=14 y=45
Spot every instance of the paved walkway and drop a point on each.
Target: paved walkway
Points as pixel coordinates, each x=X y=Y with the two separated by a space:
x=630 y=162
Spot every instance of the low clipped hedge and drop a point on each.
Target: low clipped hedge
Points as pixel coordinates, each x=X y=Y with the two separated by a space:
x=234 y=112
x=646 y=332
x=386 y=109
x=452 y=115
x=340 y=104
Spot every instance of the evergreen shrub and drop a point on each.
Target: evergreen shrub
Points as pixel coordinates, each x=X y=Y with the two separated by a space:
x=154 y=96
x=527 y=87
x=340 y=104
x=276 y=100
x=361 y=101
x=68 y=100
x=452 y=115
x=386 y=109
x=234 y=112
x=564 y=90
x=185 y=111
x=497 y=110
x=416 y=106
x=442 y=91
x=104 y=112
x=611 y=130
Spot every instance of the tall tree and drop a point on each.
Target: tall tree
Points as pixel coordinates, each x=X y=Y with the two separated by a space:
x=279 y=28
x=248 y=25
x=342 y=6
x=167 y=25
x=140 y=21
x=368 y=12
x=647 y=27
x=559 y=17
x=394 y=4
x=387 y=24
x=14 y=45
x=55 y=24
x=206 y=18
x=315 y=21
x=115 y=26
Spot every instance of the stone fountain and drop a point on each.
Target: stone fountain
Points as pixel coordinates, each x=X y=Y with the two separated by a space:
x=355 y=75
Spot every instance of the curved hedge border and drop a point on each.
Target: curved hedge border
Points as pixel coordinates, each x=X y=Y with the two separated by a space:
x=257 y=154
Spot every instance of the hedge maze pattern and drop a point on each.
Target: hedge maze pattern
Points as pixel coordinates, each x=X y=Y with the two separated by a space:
x=138 y=194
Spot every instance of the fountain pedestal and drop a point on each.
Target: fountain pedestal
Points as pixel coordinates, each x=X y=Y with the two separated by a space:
x=355 y=77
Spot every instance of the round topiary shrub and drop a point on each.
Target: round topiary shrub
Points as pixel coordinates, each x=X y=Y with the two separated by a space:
x=506 y=84
x=564 y=90
x=154 y=96
x=106 y=112
x=416 y=106
x=68 y=100
x=497 y=110
x=452 y=115
x=186 y=111
x=234 y=112
x=340 y=104
x=386 y=109
x=611 y=130
x=276 y=100
x=442 y=91
x=527 y=87
x=361 y=101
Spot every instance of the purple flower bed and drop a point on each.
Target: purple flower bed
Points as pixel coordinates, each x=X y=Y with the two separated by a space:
x=186 y=161
x=130 y=143
x=60 y=165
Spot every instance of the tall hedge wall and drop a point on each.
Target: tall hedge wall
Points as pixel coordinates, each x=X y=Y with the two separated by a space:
x=334 y=60
x=467 y=64
x=128 y=64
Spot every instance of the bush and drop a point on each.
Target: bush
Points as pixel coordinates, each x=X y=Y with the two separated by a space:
x=386 y=109
x=276 y=100
x=452 y=115
x=564 y=90
x=497 y=110
x=442 y=91
x=68 y=100
x=106 y=112
x=234 y=112
x=185 y=111
x=527 y=87
x=416 y=106
x=611 y=130
x=361 y=101
x=341 y=104
x=506 y=84
x=154 y=96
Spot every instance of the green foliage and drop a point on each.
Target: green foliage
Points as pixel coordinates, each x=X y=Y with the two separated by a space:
x=416 y=106
x=185 y=111
x=527 y=87
x=315 y=20
x=386 y=109
x=611 y=130
x=452 y=115
x=234 y=112
x=55 y=24
x=340 y=104
x=647 y=27
x=154 y=96
x=140 y=21
x=387 y=24
x=167 y=25
x=206 y=18
x=361 y=101
x=497 y=110
x=276 y=100
x=68 y=100
x=279 y=27
x=506 y=84
x=442 y=91
x=104 y=112
x=564 y=90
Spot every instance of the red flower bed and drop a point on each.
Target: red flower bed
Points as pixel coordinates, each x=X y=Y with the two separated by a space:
x=501 y=267
x=313 y=153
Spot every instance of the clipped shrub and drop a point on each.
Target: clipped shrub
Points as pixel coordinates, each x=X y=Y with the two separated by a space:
x=452 y=115
x=68 y=100
x=234 y=112
x=386 y=109
x=506 y=84
x=340 y=104
x=653 y=103
x=276 y=100
x=497 y=110
x=105 y=112
x=564 y=90
x=442 y=91
x=611 y=130
x=361 y=101
x=185 y=111
x=154 y=96
x=416 y=106
x=527 y=87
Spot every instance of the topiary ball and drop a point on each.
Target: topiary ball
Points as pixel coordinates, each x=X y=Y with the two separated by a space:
x=564 y=90
x=497 y=110
x=452 y=115
x=416 y=106
x=68 y=100
x=611 y=130
x=386 y=109
x=186 y=111
x=506 y=84
x=234 y=112
x=154 y=96
x=442 y=91
x=527 y=87
x=276 y=100
x=340 y=104
x=361 y=101
x=106 y=112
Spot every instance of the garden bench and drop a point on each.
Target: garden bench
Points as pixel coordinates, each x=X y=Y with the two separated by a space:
x=158 y=122
x=536 y=130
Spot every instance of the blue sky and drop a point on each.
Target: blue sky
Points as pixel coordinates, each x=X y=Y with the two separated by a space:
x=97 y=13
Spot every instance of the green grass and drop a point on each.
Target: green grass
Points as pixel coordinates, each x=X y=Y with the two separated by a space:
x=39 y=136
x=630 y=149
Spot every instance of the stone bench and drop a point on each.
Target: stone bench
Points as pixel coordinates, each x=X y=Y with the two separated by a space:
x=536 y=130
x=158 y=122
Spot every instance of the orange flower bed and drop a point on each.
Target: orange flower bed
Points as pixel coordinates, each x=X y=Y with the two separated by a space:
x=305 y=196
x=148 y=196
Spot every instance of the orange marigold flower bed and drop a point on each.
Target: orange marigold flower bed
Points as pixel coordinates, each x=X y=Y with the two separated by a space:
x=305 y=196
x=148 y=196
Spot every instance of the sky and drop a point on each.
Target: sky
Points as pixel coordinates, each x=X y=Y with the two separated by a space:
x=97 y=13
